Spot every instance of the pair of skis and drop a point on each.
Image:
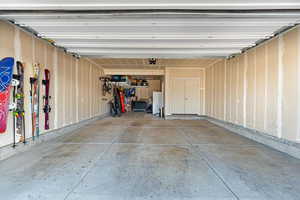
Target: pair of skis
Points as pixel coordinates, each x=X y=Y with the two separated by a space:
x=35 y=96
x=8 y=80
x=18 y=105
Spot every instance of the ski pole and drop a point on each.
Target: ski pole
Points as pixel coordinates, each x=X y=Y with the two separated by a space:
x=32 y=80
x=14 y=119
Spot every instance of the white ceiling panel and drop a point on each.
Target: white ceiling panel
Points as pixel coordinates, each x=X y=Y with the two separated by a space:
x=143 y=4
x=224 y=29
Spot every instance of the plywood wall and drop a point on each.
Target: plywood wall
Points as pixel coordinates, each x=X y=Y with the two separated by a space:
x=259 y=89
x=74 y=86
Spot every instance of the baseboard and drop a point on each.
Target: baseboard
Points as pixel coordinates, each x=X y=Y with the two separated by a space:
x=185 y=117
x=283 y=145
x=8 y=151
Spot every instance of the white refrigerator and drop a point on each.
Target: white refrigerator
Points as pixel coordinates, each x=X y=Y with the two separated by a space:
x=157 y=102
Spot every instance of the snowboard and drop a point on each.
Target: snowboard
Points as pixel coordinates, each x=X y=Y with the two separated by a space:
x=115 y=104
x=122 y=101
x=35 y=99
x=47 y=108
x=18 y=111
x=6 y=72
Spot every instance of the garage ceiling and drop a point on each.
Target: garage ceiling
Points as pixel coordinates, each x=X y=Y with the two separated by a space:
x=153 y=4
x=133 y=63
x=145 y=29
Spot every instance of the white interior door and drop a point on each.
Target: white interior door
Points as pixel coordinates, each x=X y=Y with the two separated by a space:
x=192 y=96
x=177 y=97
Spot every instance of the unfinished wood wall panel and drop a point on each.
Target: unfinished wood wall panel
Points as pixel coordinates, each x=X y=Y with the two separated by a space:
x=290 y=84
x=68 y=85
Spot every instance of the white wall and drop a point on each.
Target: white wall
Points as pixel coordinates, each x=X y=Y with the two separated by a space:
x=74 y=86
x=185 y=72
x=259 y=89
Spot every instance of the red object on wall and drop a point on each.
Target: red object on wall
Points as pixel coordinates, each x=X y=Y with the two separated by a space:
x=122 y=99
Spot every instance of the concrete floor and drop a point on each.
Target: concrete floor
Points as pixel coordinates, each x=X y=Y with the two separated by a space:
x=137 y=157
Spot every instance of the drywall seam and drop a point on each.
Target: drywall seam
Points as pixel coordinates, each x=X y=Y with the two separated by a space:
x=45 y=57
x=71 y=71
x=280 y=86
x=213 y=92
x=266 y=86
x=245 y=89
x=77 y=90
x=237 y=98
x=204 y=93
x=167 y=107
x=255 y=92
x=298 y=89
x=225 y=88
x=95 y=63
x=211 y=64
x=33 y=50
x=230 y=93
x=17 y=45
x=63 y=90
x=55 y=72
x=90 y=90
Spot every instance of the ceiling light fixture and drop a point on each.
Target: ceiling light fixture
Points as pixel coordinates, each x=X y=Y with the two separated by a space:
x=152 y=61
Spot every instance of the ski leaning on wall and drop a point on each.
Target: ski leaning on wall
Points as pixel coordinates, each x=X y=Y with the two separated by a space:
x=35 y=97
x=6 y=72
x=46 y=98
x=18 y=108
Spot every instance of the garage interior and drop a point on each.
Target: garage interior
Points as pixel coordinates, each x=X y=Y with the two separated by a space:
x=158 y=100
